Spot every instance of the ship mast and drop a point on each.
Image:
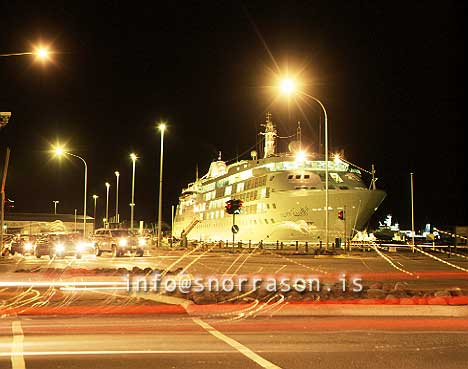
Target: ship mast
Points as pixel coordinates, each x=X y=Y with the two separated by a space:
x=270 y=137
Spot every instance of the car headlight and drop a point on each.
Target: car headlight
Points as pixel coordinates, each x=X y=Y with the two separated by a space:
x=141 y=242
x=28 y=246
x=59 y=247
x=123 y=242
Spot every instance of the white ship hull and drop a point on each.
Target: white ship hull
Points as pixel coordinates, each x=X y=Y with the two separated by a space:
x=298 y=216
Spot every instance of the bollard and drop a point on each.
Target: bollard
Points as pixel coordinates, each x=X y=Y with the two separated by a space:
x=297 y=245
x=277 y=245
x=250 y=244
x=239 y=244
x=260 y=245
x=320 y=245
x=281 y=245
x=307 y=247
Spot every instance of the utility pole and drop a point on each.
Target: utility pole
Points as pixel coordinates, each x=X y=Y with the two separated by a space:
x=345 y=234
x=76 y=210
x=172 y=223
x=412 y=212
x=2 y=216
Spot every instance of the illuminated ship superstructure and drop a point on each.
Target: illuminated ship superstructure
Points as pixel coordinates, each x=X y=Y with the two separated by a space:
x=283 y=197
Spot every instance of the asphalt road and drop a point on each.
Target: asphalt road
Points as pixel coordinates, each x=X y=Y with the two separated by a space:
x=169 y=342
x=422 y=268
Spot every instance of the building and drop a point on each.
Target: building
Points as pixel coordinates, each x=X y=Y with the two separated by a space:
x=33 y=223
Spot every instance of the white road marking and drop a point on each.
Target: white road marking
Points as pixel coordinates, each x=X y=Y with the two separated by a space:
x=115 y=352
x=237 y=345
x=281 y=268
x=17 y=358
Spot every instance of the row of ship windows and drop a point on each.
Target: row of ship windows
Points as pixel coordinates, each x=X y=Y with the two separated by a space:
x=250 y=209
x=221 y=203
x=236 y=188
x=335 y=176
x=331 y=187
x=241 y=222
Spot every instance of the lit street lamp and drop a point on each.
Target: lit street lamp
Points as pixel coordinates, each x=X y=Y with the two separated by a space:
x=60 y=151
x=117 y=216
x=41 y=53
x=55 y=206
x=132 y=204
x=162 y=128
x=107 y=202
x=288 y=87
x=95 y=197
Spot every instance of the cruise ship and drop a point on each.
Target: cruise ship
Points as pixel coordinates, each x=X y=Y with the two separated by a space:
x=283 y=197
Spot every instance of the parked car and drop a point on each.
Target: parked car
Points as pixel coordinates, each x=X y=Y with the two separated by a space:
x=23 y=244
x=61 y=245
x=118 y=242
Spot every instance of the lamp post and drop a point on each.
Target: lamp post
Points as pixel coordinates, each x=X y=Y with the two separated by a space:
x=95 y=197
x=107 y=203
x=288 y=87
x=117 y=216
x=132 y=204
x=55 y=206
x=60 y=151
x=162 y=128
x=412 y=213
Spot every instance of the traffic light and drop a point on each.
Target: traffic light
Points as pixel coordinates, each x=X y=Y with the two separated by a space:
x=233 y=206
x=236 y=206
x=341 y=214
x=229 y=207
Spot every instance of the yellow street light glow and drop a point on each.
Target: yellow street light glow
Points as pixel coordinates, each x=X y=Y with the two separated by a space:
x=42 y=53
x=162 y=126
x=117 y=173
x=337 y=158
x=133 y=156
x=95 y=197
x=59 y=151
x=287 y=86
x=301 y=156
x=107 y=184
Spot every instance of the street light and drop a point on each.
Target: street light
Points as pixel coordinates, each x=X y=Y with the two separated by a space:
x=162 y=128
x=117 y=175
x=288 y=87
x=55 y=206
x=60 y=151
x=132 y=204
x=41 y=53
x=107 y=202
x=95 y=197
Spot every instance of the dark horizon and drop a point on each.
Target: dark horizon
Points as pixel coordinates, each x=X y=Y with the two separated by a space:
x=390 y=79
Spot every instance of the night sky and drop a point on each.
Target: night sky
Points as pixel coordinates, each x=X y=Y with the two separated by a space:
x=391 y=77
